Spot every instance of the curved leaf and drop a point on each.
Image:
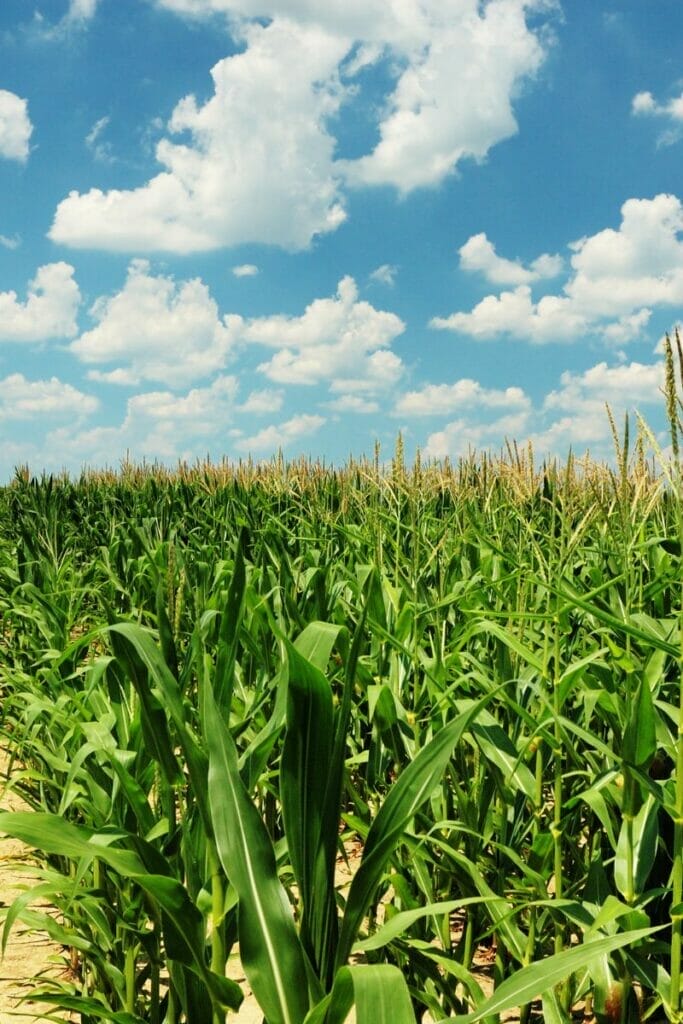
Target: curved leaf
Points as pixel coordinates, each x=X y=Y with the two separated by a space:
x=271 y=953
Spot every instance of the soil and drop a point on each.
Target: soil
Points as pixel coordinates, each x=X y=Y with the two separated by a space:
x=29 y=954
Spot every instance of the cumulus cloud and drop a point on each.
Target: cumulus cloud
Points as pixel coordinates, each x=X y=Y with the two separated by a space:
x=15 y=127
x=629 y=385
x=479 y=254
x=516 y=314
x=266 y=400
x=617 y=278
x=156 y=425
x=81 y=10
x=386 y=274
x=461 y=436
x=50 y=309
x=258 y=166
x=341 y=340
x=355 y=404
x=77 y=16
x=160 y=329
x=22 y=399
x=580 y=406
x=573 y=414
x=281 y=435
x=461 y=63
x=199 y=413
x=245 y=270
x=121 y=377
x=10 y=242
x=444 y=399
x=454 y=99
x=257 y=163
x=375 y=23
x=645 y=105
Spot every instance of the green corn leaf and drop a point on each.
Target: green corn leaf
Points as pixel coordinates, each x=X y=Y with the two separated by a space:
x=316 y=642
x=411 y=790
x=303 y=791
x=229 y=630
x=401 y=922
x=378 y=992
x=171 y=697
x=270 y=950
x=87 y=1007
x=154 y=723
x=532 y=981
x=496 y=745
x=640 y=833
x=640 y=736
x=553 y=1012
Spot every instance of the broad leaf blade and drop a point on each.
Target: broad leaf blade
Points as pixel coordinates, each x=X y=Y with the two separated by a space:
x=270 y=950
x=532 y=981
x=408 y=794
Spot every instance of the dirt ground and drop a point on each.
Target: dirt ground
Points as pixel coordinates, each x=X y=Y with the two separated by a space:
x=28 y=954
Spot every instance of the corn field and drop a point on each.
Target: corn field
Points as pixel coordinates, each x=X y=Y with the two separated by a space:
x=218 y=681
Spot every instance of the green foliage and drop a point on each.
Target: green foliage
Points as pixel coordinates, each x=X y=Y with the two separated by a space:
x=220 y=684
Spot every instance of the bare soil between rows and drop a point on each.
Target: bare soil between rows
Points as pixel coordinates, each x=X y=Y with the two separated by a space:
x=29 y=954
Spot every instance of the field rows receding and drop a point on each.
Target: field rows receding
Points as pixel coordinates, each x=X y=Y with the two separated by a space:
x=219 y=679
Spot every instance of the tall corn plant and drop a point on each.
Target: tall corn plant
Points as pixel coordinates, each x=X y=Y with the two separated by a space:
x=294 y=970
x=674 y=408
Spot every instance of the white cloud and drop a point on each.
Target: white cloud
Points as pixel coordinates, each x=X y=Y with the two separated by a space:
x=386 y=274
x=258 y=165
x=22 y=399
x=354 y=404
x=81 y=10
x=463 y=436
x=380 y=372
x=405 y=27
x=629 y=385
x=572 y=415
x=644 y=104
x=200 y=412
x=50 y=309
x=353 y=19
x=444 y=399
x=618 y=277
x=100 y=149
x=454 y=99
x=515 y=314
x=627 y=328
x=157 y=425
x=258 y=162
x=245 y=270
x=267 y=400
x=461 y=65
x=281 y=435
x=15 y=127
x=77 y=16
x=341 y=340
x=479 y=254
x=121 y=377
x=10 y=242
x=640 y=264
x=161 y=329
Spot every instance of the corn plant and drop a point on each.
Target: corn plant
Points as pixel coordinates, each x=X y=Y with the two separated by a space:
x=217 y=680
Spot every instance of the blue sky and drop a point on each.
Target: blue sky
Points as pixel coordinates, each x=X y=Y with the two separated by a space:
x=229 y=226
